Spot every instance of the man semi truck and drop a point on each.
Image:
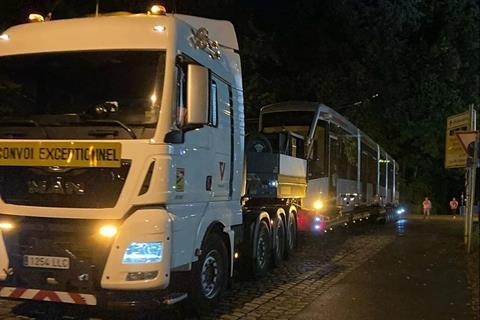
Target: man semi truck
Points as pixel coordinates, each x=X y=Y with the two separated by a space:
x=126 y=178
x=122 y=171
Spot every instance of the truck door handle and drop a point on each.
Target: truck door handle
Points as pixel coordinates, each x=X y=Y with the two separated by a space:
x=208 y=183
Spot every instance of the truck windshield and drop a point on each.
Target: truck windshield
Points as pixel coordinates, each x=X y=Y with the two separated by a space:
x=88 y=94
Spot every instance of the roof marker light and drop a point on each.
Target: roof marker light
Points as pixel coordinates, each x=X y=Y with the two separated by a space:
x=4 y=37
x=157 y=10
x=159 y=28
x=35 y=17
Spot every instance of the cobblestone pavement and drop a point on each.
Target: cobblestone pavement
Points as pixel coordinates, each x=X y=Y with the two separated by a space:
x=320 y=262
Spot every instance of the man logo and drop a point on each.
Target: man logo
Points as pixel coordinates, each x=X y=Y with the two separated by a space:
x=57 y=187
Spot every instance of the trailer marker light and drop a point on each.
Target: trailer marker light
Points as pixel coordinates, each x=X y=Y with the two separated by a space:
x=4 y=37
x=143 y=252
x=6 y=226
x=159 y=28
x=108 y=231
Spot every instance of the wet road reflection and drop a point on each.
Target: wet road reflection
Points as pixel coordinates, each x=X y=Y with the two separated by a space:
x=401 y=227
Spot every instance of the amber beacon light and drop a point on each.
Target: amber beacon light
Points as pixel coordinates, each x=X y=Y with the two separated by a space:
x=157 y=10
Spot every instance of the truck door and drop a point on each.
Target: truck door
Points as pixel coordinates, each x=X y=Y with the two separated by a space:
x=221 y=118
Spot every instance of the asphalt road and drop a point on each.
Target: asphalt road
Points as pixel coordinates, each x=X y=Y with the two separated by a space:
x=420 y=275
x=405 y=270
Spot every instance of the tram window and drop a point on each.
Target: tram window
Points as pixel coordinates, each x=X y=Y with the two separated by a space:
x=317 y=163
x=372 y=174
x=286 y=119
x=382 y=174
x=346 y=153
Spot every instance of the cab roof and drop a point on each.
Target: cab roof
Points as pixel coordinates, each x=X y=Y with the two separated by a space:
x=126 y=31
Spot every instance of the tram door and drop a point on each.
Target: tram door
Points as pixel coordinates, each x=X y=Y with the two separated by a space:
x=334 y=164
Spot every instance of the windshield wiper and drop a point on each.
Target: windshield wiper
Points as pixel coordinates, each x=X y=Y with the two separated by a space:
x=22 y=123
x=106 y=122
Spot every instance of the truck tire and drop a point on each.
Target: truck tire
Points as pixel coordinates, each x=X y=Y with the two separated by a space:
x=257 y=142
x=278 y=241
x=291 y=241
x=262 y=247
x=210 y=274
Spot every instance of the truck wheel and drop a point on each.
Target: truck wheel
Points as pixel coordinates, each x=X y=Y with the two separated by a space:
x=291 y=234
x=257 y=142
x=210 y=274
x=278 y=241
x=261 y=261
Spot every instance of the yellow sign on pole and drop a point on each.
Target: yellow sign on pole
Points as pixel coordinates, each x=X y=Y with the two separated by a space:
x=455 y=156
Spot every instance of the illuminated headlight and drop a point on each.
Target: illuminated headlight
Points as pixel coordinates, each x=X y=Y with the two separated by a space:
x=6 y=226
x=4 y=37
x=400 y=210
x=143 y=252
x=273 y=183
x=318 y=205
x=108 y=231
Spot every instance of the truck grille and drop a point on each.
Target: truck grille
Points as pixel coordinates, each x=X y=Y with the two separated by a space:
x=74 y=239
x=63 y=187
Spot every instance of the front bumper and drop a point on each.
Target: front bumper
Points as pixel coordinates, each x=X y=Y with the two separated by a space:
x=96 y=274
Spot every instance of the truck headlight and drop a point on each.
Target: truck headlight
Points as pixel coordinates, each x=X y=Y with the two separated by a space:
x=143 y=252
x=108 y=231
x=6 y=225
x=318 y=204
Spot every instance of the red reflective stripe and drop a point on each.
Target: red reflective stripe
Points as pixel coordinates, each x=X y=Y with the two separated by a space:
x=17 y=293
x=77 y=298
x=43 y=294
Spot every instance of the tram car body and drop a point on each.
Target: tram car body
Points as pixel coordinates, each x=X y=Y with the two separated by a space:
x=347 y=172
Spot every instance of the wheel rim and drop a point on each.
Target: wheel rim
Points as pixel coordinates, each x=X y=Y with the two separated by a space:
x=210 y=277
x=279 y=236
x=261 y=250
x=291 y=229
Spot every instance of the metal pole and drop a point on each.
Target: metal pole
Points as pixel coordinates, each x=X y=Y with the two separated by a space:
x=466 y=206
x=471 y=182
x=472 y=194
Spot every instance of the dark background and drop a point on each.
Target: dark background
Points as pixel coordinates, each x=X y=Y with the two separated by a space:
x=420 y=56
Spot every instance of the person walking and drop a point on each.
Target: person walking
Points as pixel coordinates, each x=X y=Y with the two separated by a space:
x=453 y=207
x=427 y=207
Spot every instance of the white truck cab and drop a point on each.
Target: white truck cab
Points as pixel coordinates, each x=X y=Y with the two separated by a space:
x=121 y=149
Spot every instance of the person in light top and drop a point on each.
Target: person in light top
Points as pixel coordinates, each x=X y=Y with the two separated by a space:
x=453 y=207
x=427 y=207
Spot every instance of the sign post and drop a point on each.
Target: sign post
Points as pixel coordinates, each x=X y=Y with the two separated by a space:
x=466 y=139
x=458 y=138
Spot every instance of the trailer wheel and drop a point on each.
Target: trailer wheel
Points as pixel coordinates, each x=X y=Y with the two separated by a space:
x=261 y=261
x=278 y=241
x=291 y=234
x=210 y=274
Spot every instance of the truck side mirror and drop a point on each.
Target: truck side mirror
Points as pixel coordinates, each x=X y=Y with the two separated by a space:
x=197 y=95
